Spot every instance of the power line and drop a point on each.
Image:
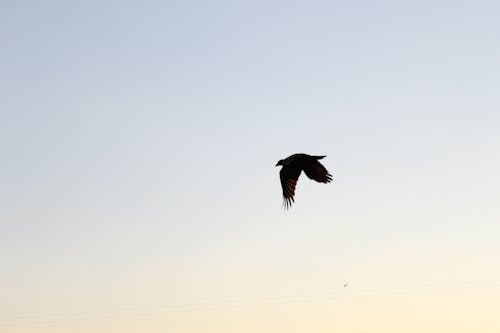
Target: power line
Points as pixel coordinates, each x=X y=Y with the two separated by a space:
x=345 y=294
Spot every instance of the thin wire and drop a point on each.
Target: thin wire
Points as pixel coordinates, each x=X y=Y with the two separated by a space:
x=246 y=302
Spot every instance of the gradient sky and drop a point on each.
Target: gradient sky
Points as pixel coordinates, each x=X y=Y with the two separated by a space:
x=138 y=188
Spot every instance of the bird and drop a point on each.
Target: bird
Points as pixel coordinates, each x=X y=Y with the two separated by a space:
x=292 y=166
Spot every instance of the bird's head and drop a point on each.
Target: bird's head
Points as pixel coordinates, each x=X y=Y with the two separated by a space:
x=280 y=162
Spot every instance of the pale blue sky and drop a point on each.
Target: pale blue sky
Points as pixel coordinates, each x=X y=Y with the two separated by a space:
x=139 y=141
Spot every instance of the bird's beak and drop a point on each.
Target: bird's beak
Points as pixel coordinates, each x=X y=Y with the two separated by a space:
x=277 y=164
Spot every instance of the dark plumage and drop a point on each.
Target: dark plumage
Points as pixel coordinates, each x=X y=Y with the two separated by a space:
x=290 y=172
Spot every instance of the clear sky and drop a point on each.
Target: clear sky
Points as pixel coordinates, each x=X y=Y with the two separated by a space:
x=138 y=191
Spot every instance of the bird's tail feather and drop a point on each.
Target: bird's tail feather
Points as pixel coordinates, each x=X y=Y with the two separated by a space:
x=319 y=157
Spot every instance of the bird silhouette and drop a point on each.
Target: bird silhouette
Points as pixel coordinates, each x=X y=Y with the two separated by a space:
x=292 y=166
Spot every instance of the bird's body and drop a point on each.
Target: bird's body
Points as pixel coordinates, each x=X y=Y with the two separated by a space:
x=291 y=170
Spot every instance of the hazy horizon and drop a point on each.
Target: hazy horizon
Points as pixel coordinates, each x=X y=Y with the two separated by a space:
x=139 y=188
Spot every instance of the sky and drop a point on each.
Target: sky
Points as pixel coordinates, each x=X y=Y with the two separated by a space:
x=138 y=187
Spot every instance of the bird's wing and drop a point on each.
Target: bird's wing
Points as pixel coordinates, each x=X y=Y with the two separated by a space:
x=316 y=171
x=289 y=176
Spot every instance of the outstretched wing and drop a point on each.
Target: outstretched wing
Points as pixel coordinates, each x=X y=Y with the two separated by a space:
x=289 y=176
x=316 y=171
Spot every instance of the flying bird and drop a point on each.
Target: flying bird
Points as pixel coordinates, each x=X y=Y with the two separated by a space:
x=292 y=166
